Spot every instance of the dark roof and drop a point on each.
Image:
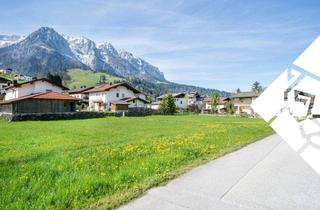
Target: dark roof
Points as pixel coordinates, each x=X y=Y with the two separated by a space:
x=223 y=100
x=174 y=95
x=80 y=90
x=128 y=99
x=36 y=80
x=107 y=87
x=245 y=95
x=119 y=102
x=44 y=95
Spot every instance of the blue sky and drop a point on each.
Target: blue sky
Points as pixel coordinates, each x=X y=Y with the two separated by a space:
x=210 y=43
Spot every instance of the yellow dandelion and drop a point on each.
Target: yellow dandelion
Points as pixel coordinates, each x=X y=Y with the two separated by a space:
x=103 y=174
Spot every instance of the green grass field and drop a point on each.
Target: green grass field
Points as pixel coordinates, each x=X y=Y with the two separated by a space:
x=82 y=77
x=106 y=162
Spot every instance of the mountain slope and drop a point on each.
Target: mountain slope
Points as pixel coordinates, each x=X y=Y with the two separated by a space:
x=46 y=51
x=77 y=77
x=6 y=40
x=42 y=51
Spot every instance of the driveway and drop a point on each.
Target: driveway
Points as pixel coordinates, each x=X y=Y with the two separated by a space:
x=265 y=175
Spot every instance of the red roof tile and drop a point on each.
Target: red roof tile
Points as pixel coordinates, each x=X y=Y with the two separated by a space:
x=43 y=95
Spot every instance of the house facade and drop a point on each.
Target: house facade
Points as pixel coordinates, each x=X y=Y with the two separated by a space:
x=36 y=97
x=180 y=99
x=102 y=97
x=242 y=102
x=31 y=87
x=3 y=84
x=81 y=93
x=194 y=98
x=39 y=103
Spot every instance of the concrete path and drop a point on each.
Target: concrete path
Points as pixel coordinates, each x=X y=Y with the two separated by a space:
x=265 y=175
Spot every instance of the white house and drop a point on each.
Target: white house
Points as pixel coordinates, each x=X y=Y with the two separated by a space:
x=180 y=99
x=194 y=98
x=3 y=84
x=108 y=96
x=31 y=87
x=81 y=93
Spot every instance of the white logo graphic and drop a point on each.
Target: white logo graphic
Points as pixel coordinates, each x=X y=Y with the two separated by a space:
x=292 y=103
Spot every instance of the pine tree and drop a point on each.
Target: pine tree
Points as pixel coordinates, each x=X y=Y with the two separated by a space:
x=167 y=105
x=214 y=102
x=256 y=87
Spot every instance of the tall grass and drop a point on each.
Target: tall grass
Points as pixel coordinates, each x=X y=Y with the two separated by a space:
x=81 y=163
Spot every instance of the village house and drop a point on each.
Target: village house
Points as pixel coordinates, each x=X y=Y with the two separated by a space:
x=31 y=87
x=37 y=96
x=39 y=103
x=115 y=97
x=81 y=93
x=221 y=104
x=154 y=105
x=180 y=100
x=242 y=102
x=194 y=98
x=4 y=82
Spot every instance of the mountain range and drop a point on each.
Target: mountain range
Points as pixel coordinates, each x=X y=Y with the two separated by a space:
x=45 y=50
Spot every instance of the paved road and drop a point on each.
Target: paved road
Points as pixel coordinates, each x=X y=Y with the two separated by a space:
x=263 y=175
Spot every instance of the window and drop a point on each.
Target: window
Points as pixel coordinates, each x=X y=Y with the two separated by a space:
x=123 y=95
x=133 y=101
x=117 y=95
x=180 y=102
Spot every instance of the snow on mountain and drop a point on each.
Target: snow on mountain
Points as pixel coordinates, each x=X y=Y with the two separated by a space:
x=6 y=40
x=83 y=48
x=41 y=49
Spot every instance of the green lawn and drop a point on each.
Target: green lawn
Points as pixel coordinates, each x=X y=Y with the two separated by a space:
x=82 y=77
x=106 y=162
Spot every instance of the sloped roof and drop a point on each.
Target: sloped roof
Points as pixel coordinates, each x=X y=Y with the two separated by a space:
x=44 y=95
x=245 y=95
x=106 y=87
x=128 y=99
x=36 y=80
x=174 y=95
x=80 y=90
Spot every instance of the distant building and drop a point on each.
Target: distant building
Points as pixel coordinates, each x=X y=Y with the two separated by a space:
x=115 y=97
x=39 y=103
x=221 y=104
x=194 y=98
x=222 y=101
x=154 y=105
x=81 y=93
x=35 y=86
x=4 y=82
x=242 y=101
x=180 y=100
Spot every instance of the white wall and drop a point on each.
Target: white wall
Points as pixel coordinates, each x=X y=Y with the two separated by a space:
x=108 y=96
x=181 y=103
x=30 y=88
x=137 y=104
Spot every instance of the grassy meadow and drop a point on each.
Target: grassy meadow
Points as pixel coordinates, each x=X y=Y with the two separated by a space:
x=82 y=77
x=106 y=162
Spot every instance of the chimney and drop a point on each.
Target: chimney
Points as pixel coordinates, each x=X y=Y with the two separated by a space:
x=15 y=82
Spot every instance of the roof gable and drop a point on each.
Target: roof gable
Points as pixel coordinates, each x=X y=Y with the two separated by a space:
x=37 y=80
x=107 y=87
